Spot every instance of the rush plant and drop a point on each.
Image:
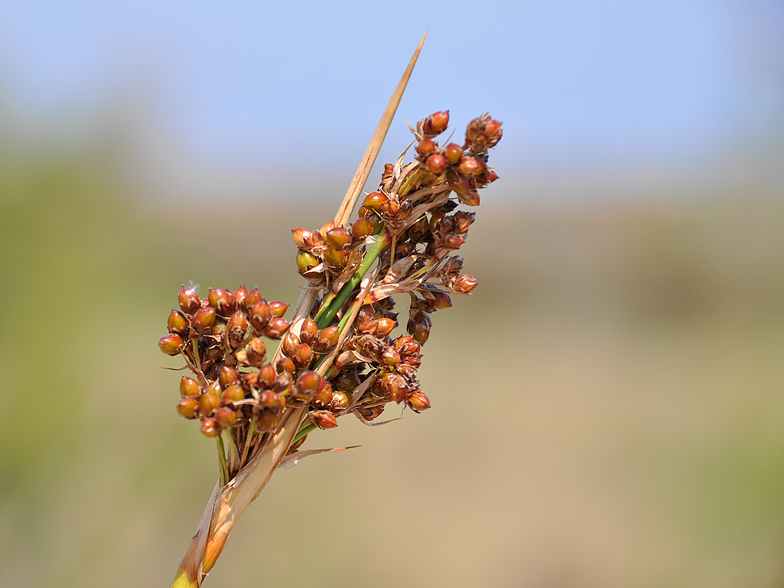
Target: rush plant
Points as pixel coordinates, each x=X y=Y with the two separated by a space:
x=340 y=352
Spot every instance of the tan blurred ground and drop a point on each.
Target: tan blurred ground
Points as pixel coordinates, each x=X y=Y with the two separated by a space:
x=607 y=412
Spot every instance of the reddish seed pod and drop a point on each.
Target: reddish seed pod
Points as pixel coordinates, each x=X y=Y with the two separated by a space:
x=222 y=301
x=327 y=338
x=305 y=261
x=340 y=400
x=210 y=428
x=301 y=355
x=464 y=284
x=231 y=394
x=237 y=328
x=227 y=376
x=418 y=401
x=425 y=147
x=441 y=300
x=367 y=327
x=390 y=357
x=218 y=328
x=225 y=417
x=267 y=421
x=303 y=238
x=189 y=387
x=170 y=344
x=463 y=221
x=278 y=308
x=371 y=413
x=177 y=323
x=323 y=396
x=308 y=383
x=385 y=327
x=256 y=352
x=409 y=372
x=419 y=230
x=239 y=296
x=453 y=241
x=267 y=376
x=282 y=383
x=189 y=301
x=260 y=315
x=361 y=228
x=251 y=298
x=458 y=183
x=250 y=380
x=419 y=327
x=208 y=403
x=188 y=407
x=436 y=123
x=276 y=328
x=338 y=238
x=436 y=163
x=308 y=331
x=271 y=400
x=285 y=365
x=374 y=201
x=323 y=419
x=335 y=259
x=453 y=153
x=471 y=166
x=290 y=341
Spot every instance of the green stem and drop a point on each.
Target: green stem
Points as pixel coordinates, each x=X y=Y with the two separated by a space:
x=324 y=318
x=224 y=470
x=303 y=430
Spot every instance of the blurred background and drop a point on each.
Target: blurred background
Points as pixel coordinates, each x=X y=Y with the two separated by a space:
x=607 y=405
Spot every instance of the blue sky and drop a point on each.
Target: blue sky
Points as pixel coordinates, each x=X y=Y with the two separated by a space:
x=578 y=84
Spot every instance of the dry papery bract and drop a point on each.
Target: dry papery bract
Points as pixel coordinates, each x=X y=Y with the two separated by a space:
x=343 y=357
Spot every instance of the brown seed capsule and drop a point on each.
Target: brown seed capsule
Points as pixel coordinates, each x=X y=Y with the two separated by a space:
x=189 y=387
x=267 y=421
x=409 y=372
x=203 y=320
x=188 y=407
x=301 y=355
x=271 y=400
x=441 y=300
x=278 y=308
x=436 y=163
x=238 y=326
x=170 y=344
x=177 y=323
x=239 y=296
x=367 y=327
x=394 y=386
x=260 y=315
x=308 y=331
x=307 y=384
x=227 y=376
x=222 y=301
x=390 y=357
x=419 y=230
x=323 y=419
x=453 y=241
x=419 y=326
x=371 y=413
x=385 y=327
x=326 y=339
x=471 y=166
x=219 y=328
x=436 y=123
x=276 y=328
x=208 y=403
x=225 y=417
x=189 y=301
x=323 y=396
x=340 y=400
x=251 y=298
x=418 y=401
x=464 y=284
x=374 y=201
x=256 y=352
x=267 y=375
x=407 y=346
x=463 y=221
x=483 y=133
x=361 y=228
x=303 y=238
x=285 y=365
x=231 y=394
x=335 y=259
x=290 y=341
x=210 y=428
x=425 y=147
x=453 y=153
x=282 y=383
x=305 y=261
x=458 y=183
x=338 y=238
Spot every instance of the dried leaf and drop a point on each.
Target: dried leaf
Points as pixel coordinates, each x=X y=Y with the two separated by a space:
x=294 y=458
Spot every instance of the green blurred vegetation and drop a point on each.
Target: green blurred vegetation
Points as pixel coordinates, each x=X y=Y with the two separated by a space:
x=607 y=405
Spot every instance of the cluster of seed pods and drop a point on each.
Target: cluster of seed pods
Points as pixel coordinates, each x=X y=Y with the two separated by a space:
x=412 y=226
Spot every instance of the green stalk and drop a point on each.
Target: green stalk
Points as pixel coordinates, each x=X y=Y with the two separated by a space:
x=328 y=312
x=224 y=470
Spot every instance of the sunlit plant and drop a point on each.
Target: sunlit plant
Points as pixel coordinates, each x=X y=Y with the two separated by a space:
x=341 y=351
